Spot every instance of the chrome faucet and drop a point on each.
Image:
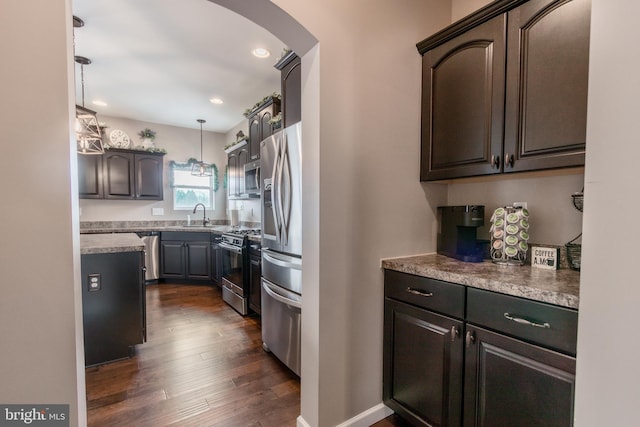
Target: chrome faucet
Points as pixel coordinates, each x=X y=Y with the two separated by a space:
x=205 y=221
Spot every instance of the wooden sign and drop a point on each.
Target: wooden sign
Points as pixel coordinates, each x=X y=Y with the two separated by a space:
x=546 y=258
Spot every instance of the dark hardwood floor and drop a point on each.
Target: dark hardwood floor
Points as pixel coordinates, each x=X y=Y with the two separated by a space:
x=202 y=365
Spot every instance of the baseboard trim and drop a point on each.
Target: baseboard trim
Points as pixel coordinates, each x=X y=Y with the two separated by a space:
x=363 y=419
x=368 y=417
x=300 y=422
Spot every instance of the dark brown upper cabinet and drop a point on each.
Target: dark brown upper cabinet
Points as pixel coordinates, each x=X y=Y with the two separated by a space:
x=505 y=90
x=90 y=177
x=121 y=174
x=546 y=88
x=463 y=104
x=291 y=88
x=260 y=126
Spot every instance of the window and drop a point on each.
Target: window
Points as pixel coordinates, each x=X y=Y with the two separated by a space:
x=188 y=190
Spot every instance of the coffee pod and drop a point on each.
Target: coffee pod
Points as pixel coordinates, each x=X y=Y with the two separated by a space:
x=499 y=223
x=498 y=234
x=499 y=212
x=511 y=251
x=512 y=218
x=524 y=223
x=524 y=212
x=511 y=240
x=497 y=244
x=523 y=235
x=512 y=229
x=523 y=246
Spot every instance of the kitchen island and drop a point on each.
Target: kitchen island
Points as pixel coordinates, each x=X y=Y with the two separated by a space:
x=113 y=296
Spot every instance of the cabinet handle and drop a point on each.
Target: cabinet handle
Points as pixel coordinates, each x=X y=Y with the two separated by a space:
x=495 y=161
x=526 y=322
x=420 y=293
x=454 y=333
x=508 y=160
x=469 y=339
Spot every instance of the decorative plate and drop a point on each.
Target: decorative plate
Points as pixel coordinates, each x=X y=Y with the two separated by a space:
x=119 y=139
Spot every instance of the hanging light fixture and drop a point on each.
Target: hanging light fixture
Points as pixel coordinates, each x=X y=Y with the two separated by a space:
x=88 y=134
x=201 y=168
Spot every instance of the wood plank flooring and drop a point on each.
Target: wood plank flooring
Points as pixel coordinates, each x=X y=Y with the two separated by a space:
x=202 y=365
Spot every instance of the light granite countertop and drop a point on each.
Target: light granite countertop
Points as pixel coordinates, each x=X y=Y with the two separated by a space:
x=559 y=287
x=110 y=243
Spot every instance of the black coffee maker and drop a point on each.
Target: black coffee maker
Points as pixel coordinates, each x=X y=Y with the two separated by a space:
x=457 y=226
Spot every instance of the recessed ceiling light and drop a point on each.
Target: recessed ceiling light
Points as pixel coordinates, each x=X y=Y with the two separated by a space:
x=261 y=52
x=99 y=103
x=216 y=101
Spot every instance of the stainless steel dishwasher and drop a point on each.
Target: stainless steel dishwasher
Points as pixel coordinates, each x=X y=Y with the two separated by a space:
x=151 y=241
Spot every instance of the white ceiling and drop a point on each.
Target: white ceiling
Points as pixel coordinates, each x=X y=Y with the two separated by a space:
x=161 y=61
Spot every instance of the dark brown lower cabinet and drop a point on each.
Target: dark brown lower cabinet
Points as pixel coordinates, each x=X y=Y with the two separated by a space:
x=423 y=365
x=512 y=383
x=448 y=371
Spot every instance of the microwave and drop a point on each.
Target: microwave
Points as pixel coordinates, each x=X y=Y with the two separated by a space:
x=252 y=179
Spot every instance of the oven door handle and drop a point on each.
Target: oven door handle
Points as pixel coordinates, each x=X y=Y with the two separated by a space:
x=230 y=248
x=269 y=289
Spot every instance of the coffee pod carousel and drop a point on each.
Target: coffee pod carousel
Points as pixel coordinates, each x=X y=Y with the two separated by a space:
x=509 y=235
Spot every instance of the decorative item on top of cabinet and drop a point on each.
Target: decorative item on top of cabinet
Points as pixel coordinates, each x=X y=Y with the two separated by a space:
x=539 y=104
x=291 y=87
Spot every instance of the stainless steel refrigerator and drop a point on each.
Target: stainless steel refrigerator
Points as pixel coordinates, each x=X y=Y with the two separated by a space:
x=280 y=158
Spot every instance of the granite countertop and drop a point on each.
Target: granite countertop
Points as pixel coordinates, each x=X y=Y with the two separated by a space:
x=559 y=287
x=110 y=243
x=146 y=226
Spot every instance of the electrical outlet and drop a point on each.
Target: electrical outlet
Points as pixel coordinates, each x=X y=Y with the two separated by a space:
x=157 y=211
x=95 y=284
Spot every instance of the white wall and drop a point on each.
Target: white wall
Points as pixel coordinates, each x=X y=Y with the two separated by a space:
x=608 y=372
x=554 y=220
x=462 y=8
x=42 y=358
x=181 y=144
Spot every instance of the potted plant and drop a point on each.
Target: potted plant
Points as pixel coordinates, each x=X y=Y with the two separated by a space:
x=148 y=136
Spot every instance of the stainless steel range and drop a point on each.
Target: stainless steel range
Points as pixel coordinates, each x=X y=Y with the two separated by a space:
x=235 y=268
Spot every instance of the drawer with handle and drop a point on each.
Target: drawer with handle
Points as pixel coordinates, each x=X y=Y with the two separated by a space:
x=436 y=295
x=548 y=325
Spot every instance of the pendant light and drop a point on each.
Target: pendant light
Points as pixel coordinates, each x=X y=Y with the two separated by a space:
x=88 y=133
x=201 y=168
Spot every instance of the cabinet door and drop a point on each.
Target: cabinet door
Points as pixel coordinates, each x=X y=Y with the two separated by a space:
x=232 y=171
x=90 y=176
x=423 y=363
x=463 y=104
x=511 y=383
x=172 y=262
x=243 y=159
x=291 y=82
x=198 y=260
x=148 y=177
x=118 y=175
x=547 y=79
x=255 y=136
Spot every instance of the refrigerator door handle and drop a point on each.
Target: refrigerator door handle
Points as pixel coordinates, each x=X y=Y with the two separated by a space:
x=271 y=291
x=281 y=261
x=286 y=194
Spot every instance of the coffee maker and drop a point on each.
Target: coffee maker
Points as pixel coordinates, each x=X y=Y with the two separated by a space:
x=457 y=227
